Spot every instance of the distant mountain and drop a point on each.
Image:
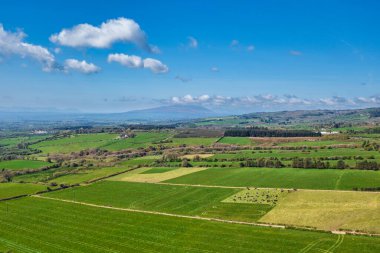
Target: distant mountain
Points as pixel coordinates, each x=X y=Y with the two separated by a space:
x=163 y=113
x=174 y=112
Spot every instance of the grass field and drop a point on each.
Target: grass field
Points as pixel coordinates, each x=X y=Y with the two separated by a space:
x=155 y=177
x=141 y=140
x=22 y=164
x=87 y=175
x=39 y=225
x=201 y=201
x=16 y=140
x=283 y=178
x=75 y=143
x=236 y=140
x=297 y=153
x=8 y=190
x=192 y=141
x=329 y=210
x=158 y=170
x=319 y=143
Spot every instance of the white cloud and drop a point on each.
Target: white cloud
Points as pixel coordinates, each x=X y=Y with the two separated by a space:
x=130 y=61
x=234 y=43
x=133 y=61
x=295 y=52
x=214 y=69
x=251 y=48
x=274 y=101
x=103 y=36
x=81 y=66
x=155 y=65
x=13 y=44
x=193 y=43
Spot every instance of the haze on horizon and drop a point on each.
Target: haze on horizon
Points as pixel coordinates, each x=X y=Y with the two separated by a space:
x=228 y=56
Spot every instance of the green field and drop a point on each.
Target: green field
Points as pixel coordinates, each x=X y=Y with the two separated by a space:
x=201 y=201
x=8 y=190
x=141 y=140
x=236 y=140
x=329 y=210
x=192 y=141
x=87 y=175
x=319 y=143
x=39 y=225
x=75 y=143
x=283 y=178
x=22 y=164
x=16 y=140
x=157 y=170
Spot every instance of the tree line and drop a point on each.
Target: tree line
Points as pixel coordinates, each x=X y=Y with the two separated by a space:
x=264 y=132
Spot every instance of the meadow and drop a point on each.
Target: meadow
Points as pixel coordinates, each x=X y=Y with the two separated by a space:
x=22 y=164
x=328 y=210
x=75 y=143
x=328 y=179
x=40 y=225
x=9 y=190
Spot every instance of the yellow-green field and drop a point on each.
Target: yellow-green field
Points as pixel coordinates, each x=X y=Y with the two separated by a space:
x=155 y=177
x=328 y=210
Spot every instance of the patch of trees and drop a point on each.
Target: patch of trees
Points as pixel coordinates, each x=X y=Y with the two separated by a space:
x=199 y=132
x=374 y=112
x=264 y=132
x=367 y=165
x=262 y=162
x=309 y=163
x=370 y=189
x=366 y=145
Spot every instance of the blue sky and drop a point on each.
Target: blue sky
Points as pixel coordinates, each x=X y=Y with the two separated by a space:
x=234 y=56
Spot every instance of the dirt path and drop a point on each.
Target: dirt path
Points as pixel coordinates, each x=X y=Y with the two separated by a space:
x=161 y=213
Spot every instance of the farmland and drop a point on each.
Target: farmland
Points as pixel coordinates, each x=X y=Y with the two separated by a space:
x=144 y=187
x=27 y=225
x=22 y=164
x=10 y=190
x=283 y=178
x=328 y=210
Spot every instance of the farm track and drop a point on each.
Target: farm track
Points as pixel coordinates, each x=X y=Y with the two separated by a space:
x=162 y=213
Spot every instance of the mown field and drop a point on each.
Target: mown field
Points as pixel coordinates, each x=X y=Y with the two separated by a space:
x=236 y=140
x=328 y=210
x=39 y=225
x=8 y=190
x=200 y=201
x=22 y=164
x=329 y=179
x=75 y=143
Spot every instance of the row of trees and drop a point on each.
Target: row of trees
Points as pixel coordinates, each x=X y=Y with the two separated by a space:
x=264 y=132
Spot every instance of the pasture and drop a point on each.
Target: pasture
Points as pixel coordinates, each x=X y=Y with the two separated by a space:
x=22 y=164
x=40 y=225
x=8 y=190
x=155 y=177
x=328 y=179
x=75 y=143
x=328 y=210
x=245 y=141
